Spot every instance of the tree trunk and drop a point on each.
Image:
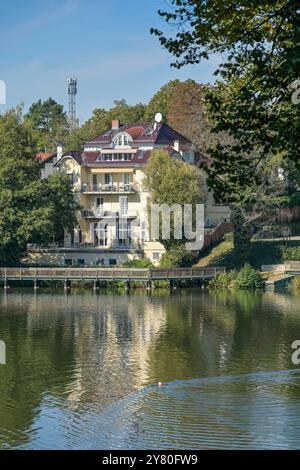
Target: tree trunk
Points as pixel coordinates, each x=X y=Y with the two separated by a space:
x=241 y=237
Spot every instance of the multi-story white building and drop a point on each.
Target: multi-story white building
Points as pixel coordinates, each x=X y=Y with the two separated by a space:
x=108 y=178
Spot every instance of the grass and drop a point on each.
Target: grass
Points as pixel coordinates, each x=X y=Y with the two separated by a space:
x=261 y=252
x=215 y=255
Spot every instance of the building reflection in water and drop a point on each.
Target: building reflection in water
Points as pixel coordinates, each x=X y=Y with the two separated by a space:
x=81 y=349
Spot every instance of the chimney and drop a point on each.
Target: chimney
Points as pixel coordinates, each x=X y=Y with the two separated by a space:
x=115 y=124
x=176 y=145
x=59 y=152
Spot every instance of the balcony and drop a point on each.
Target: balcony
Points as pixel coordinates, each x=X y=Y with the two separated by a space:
x=102 y=214
x=113 y=188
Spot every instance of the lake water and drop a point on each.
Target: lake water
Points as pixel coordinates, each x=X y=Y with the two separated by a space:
x=83 y=369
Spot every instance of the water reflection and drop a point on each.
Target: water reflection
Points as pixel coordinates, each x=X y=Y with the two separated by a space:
x=74 y=361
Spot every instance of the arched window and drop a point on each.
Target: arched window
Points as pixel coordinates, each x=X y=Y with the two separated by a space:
x=122 y=139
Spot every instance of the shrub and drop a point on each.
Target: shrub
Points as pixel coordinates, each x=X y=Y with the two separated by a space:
x=290 y=253
x=138 y=263
x=176 y=257
x=295 y=284
x=248 y=278
x=222 y=280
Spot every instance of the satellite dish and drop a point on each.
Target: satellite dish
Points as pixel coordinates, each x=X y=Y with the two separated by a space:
x=158 y=117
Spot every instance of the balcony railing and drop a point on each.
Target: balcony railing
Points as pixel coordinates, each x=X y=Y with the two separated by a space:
x=108 y=188
x=102 y=214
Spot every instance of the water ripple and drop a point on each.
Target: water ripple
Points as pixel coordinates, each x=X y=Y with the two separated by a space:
x=251 y=411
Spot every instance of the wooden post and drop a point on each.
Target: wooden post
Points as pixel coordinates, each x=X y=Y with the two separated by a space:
x=67 y=285
x=35 y=284
x=149 y=286
x=6 y=286
x=127 y=286
x=96 y=285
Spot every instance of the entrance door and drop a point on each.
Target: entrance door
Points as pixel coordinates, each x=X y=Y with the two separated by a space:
x=99 y=206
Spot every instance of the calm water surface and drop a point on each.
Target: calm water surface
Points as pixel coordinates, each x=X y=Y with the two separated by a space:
x=82 y=370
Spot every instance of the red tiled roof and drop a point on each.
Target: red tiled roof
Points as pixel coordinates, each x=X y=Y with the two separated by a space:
x=140 y=158
x=89 y=157
x=42 y=155
x=161 y=134
x=136 y=132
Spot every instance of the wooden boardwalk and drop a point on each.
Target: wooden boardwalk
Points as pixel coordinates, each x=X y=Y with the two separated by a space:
x=290 y=267
x=107 y=274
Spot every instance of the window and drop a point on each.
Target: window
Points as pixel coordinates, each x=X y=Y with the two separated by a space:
x=108 y=181
x=95 y=183
x=126 y=179
x=188 y=156
x=99 y=205
x=99 y=202
x=122 y=140
x=143 y=231
x=68 y=262
x=156 y=256
x=81 y=262
x=123 y=203
x=108 y=157
x=107 y=178
x=100 y=234
x=112 y=262
x=124 y=234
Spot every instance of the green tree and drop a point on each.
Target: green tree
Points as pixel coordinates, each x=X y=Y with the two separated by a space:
x=100 y=121
x=187 y=113
x=172 y=181
x=248 y=278
x=176 y=256
x=160 y=101
x=47 y=121
x=31 y=209
x=127 y=113
x=253 y=99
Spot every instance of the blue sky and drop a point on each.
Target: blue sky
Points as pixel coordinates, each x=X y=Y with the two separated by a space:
x=106 y=44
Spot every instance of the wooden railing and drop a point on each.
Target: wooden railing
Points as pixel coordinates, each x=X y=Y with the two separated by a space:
x=108 y=274
x=288 y=267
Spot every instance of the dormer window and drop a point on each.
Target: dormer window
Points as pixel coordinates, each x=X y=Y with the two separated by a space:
x=122 y=140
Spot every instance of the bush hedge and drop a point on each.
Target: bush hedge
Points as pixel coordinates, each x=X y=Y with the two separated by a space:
x=222 y=280
x=248 y=278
